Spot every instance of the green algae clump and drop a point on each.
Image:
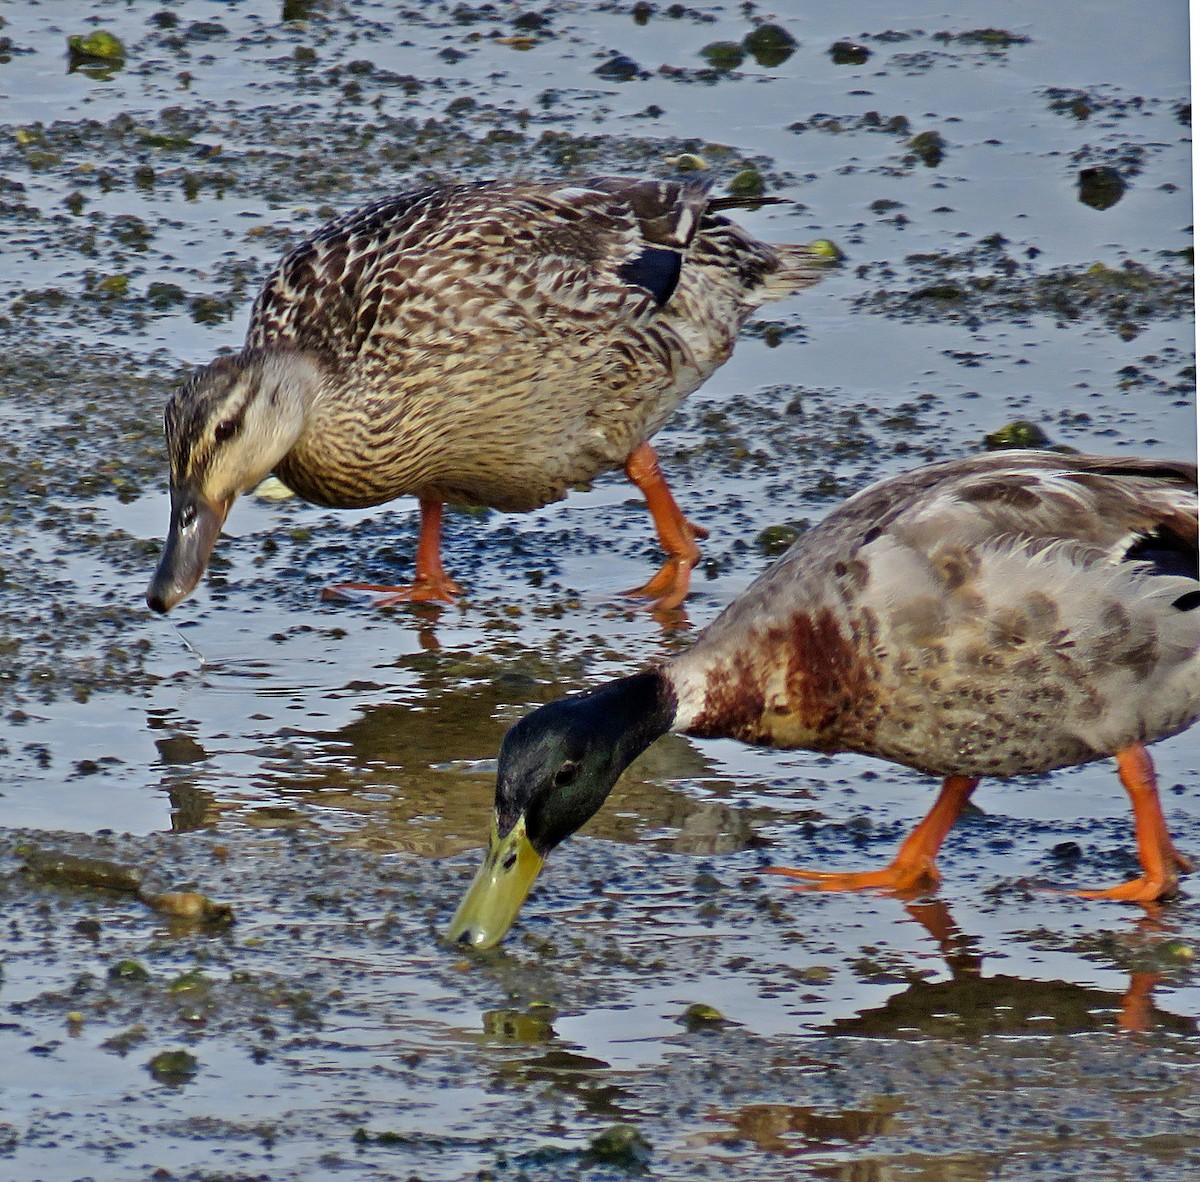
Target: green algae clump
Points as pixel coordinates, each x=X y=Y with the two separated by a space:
x=1019 y=433
x=173 y=1067
x=826 y=248
x=99 y=46
x=623 y=1146
x=929 y=147
x=775 y=539
x=770 y=45
x=748 y=183
x=723 y=56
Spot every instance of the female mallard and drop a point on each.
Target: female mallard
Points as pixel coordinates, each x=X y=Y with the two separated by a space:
x=994 y=616
x=486 y=343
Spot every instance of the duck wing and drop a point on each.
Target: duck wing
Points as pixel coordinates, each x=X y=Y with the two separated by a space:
x=497 y=256
x=1111 y=504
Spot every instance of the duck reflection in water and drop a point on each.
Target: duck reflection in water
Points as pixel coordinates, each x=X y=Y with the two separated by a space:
x=971 y=1003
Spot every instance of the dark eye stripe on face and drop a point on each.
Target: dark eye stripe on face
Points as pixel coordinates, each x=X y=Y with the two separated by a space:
x=227 y=429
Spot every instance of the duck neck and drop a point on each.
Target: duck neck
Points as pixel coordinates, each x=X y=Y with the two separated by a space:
x=688 y=686
x=634 y=711
x=290 y=383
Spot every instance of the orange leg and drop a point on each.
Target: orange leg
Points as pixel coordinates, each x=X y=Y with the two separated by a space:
x=955 y=946
x=1161 y=862
x=669 y=586
x=431 y=583
x=1137 y=1006
x=913 y=866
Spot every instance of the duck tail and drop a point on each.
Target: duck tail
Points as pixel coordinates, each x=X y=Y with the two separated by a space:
x=744 y=201
x=800 y=265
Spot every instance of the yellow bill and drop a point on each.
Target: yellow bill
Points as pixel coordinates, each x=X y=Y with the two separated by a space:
x=492 y=901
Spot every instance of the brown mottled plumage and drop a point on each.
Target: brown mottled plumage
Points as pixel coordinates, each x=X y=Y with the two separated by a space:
x=978 y=617
x=488 y=344
x=994 y=616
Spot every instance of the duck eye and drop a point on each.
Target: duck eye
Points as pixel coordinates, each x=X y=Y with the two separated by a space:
x=567 y=774
x=187 y=516
x=226 y=429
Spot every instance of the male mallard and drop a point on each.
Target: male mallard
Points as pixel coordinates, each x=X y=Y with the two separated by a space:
x=489 y=344
x=994 y=616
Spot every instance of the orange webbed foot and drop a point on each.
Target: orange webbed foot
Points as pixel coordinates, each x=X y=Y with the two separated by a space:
x=1146 y=888
x=423 y=591
x=669 y=586
x=677 y=535
x=902 y=877
x=442 y=590
x=1162 y=863
x=432 y=584
x=912 y=869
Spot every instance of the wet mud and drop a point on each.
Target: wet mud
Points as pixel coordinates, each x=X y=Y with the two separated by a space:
x=324 y=1029
x=232 y=837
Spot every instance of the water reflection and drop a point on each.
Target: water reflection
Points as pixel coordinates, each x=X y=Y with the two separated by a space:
x=972 y=1005
x=793 y=1129
x=417 y=774
x=588 y=1080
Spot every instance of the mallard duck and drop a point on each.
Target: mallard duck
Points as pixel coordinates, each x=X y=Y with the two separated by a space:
x=489 y=344
x=1000 y=615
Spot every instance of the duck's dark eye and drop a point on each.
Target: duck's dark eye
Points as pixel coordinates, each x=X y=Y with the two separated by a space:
x=226 y=429
x=567 y=774
x=187 y=516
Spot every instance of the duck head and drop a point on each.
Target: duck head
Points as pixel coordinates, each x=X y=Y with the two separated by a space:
x=556 y=768
x=226 y=429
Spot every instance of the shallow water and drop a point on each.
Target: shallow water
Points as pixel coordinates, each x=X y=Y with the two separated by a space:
x=326 y=770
